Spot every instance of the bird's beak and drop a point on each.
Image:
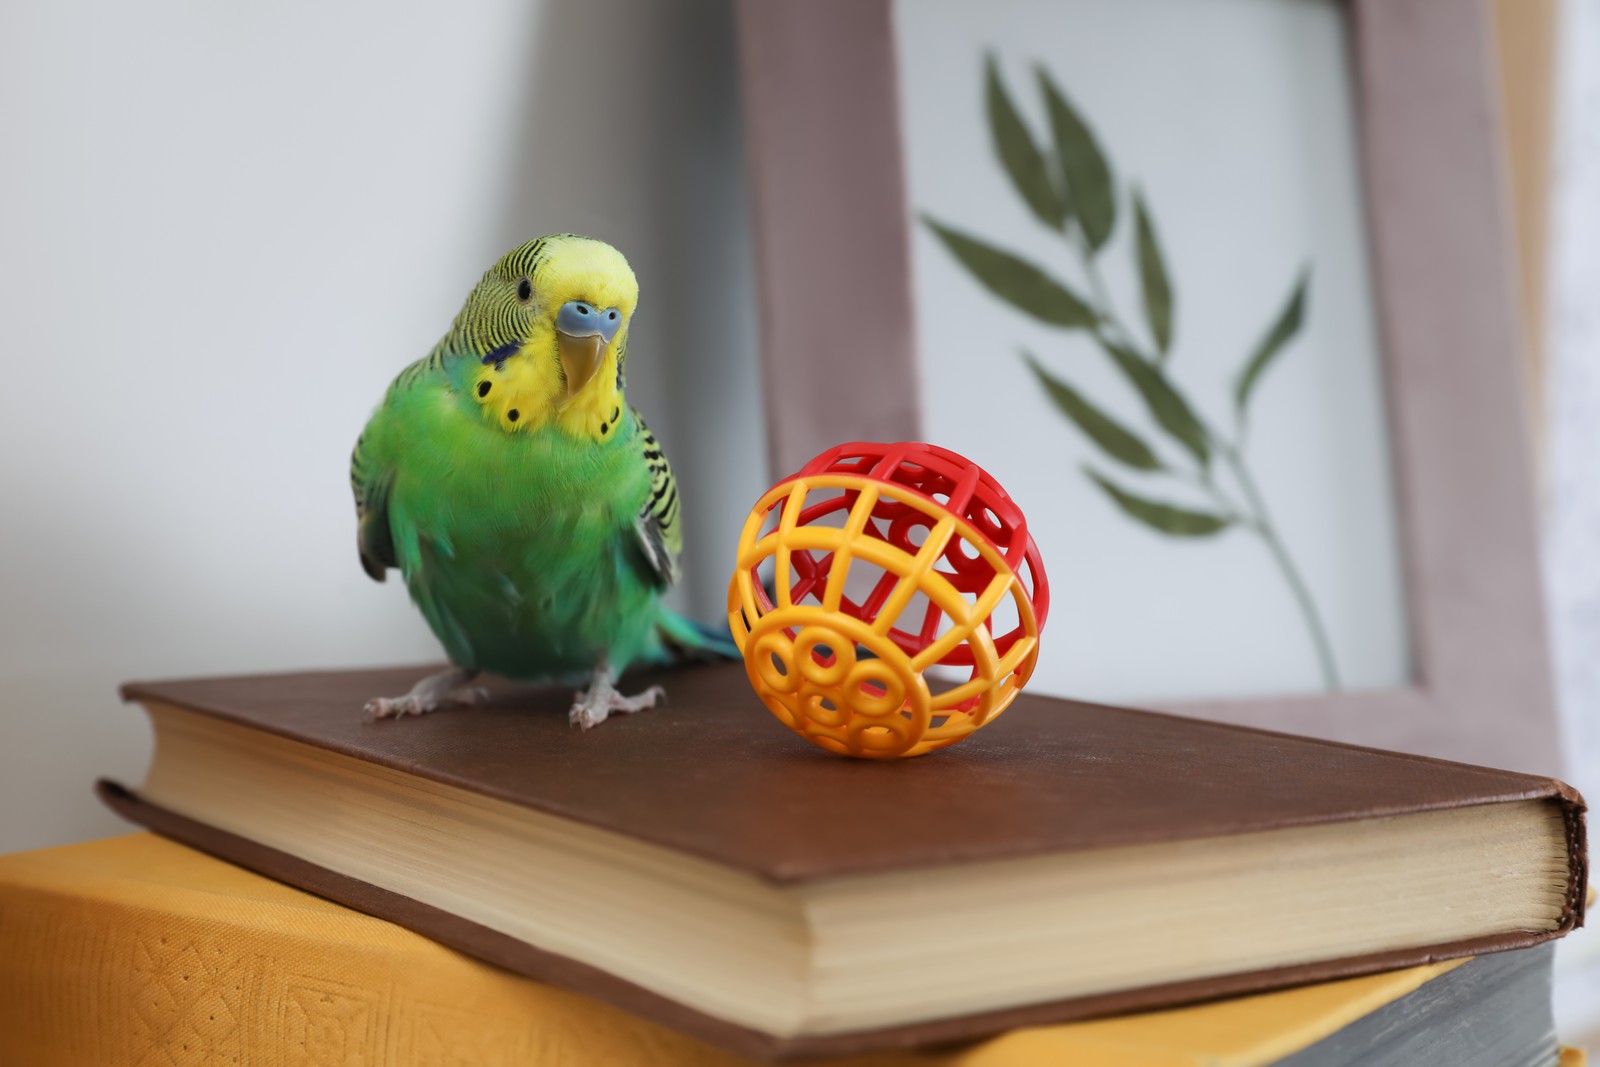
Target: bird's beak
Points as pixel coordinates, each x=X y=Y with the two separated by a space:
x=580 y=358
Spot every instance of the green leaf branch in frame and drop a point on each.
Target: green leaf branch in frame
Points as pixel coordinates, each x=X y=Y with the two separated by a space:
x=1164 y=518
x=1068 y=184
x=1284 y=329
x=1165 y=404
x=1015 y=280
x=1112 y=437
x=1021 y=157
x=1091 y=197
x=1153 y=282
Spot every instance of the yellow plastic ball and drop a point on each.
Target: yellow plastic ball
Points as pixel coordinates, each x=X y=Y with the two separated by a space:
x=897 y=624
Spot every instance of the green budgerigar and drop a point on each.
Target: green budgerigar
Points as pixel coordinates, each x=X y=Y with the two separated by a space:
x=531 y=512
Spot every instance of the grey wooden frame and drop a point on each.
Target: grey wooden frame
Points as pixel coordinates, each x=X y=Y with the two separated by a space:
x=833 y=223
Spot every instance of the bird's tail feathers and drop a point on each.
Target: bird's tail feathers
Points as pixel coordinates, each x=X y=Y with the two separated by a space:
x=688 y=640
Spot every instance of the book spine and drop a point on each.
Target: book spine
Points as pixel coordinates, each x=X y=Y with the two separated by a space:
x=1575 y=814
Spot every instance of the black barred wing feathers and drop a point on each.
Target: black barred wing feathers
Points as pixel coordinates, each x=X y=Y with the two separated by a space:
x=660 y=533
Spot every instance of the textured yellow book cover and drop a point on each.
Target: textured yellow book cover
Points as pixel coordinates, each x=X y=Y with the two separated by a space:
x=135 y=950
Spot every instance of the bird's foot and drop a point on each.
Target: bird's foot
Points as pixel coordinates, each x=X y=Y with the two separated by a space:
x=596 y=704
x=447 y=689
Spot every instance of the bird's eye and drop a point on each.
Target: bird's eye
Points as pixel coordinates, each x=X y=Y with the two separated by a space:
x=524 y=291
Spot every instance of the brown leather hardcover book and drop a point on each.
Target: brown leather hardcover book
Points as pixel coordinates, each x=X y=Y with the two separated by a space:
x=701 y=866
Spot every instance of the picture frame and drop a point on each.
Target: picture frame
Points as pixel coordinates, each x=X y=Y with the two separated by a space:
x=833 y=222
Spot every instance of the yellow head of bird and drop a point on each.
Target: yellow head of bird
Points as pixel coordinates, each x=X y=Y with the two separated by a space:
x=549 y=326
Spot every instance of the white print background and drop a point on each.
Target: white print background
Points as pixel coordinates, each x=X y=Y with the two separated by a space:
x=1235 y=118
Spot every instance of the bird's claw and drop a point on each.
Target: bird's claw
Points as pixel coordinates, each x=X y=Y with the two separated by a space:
x=422 y=700
x=599 y=701
x=391 y=707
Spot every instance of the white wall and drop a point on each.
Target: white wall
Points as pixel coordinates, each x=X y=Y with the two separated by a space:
x=223 y=228
x=1572 y=497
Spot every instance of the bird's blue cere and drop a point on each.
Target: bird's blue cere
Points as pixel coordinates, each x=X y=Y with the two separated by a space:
x=579 y=319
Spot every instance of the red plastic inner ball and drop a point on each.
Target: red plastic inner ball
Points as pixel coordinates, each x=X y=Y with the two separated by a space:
x=953 y=483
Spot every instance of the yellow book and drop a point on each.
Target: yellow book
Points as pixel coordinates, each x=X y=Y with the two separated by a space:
x=134 y=950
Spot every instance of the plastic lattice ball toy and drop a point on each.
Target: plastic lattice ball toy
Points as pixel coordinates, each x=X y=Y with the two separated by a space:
x=887 y=599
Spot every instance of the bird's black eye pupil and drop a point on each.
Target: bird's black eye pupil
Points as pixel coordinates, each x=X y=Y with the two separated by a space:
x=524 y=290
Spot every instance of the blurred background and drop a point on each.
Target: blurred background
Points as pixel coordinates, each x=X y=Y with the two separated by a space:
x=224 y=228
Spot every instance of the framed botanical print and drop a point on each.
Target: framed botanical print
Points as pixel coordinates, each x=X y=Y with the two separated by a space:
x=1222 y=291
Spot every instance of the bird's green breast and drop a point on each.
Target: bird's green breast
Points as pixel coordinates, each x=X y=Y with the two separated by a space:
x=519 y=547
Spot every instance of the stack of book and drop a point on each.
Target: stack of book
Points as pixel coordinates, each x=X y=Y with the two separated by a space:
x=694 y=885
